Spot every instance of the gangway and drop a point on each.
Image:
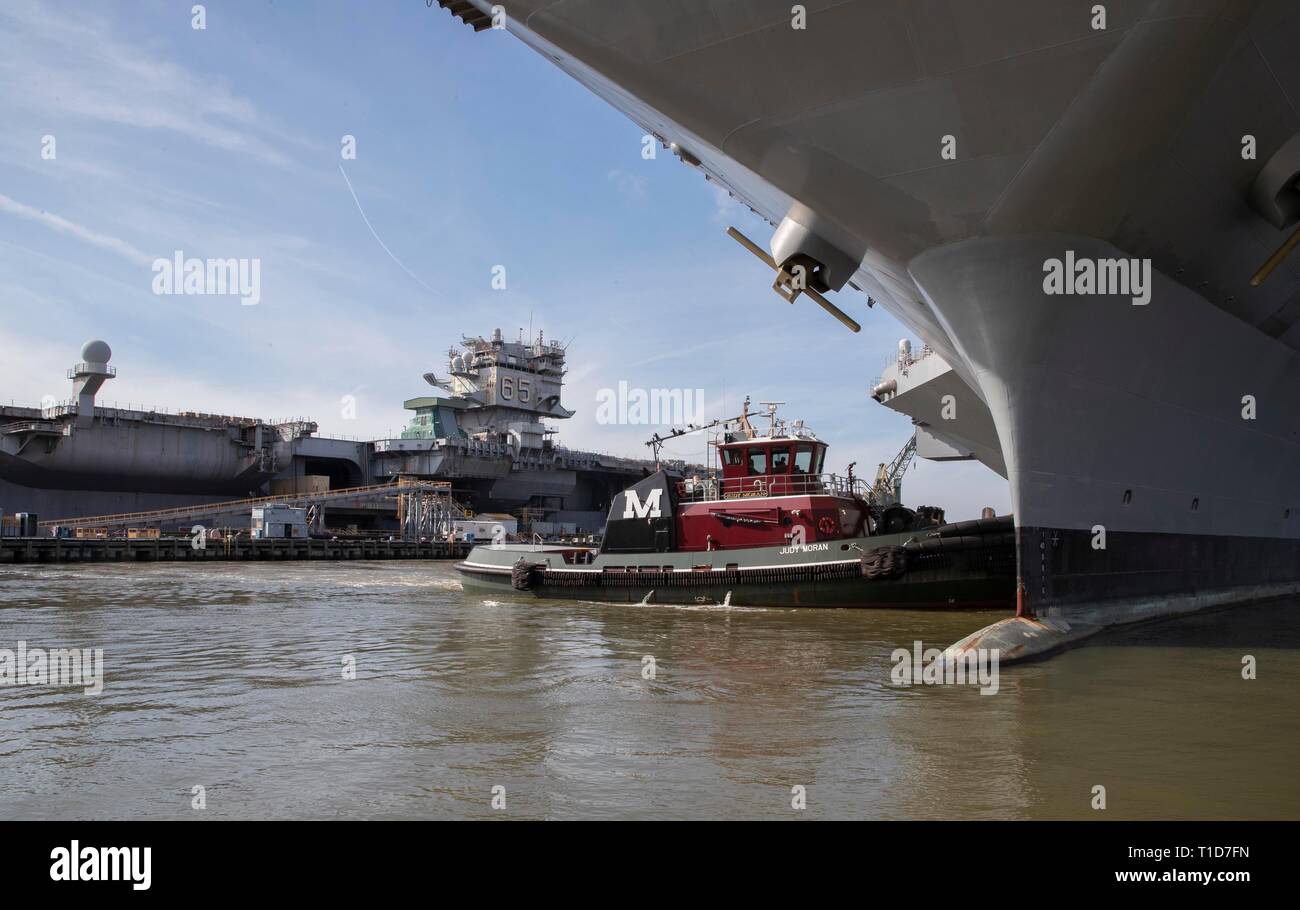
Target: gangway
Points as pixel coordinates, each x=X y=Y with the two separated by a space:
x=439 y=490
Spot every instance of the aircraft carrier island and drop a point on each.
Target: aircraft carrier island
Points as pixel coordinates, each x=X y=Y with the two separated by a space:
x=482 y=432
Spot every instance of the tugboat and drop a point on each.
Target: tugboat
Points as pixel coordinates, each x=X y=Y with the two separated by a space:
x=766 y=527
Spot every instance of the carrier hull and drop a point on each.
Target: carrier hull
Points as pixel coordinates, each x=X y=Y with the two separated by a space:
x=1150 y=470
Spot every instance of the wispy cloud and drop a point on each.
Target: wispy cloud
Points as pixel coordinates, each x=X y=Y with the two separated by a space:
x=64 y=226
x=633 y=186
x=725 y=209
x=103 y=77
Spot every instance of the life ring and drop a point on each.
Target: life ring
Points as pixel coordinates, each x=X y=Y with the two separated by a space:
x=826 y=525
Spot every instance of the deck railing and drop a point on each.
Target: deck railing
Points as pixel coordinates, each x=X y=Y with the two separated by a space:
x=711 y=489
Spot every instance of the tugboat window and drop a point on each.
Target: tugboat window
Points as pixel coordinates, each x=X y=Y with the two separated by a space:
x=803 y=457
x=732 y=455
x=757 y=462
x=780 y=460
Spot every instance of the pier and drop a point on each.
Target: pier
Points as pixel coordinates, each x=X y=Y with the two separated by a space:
x=180 y=549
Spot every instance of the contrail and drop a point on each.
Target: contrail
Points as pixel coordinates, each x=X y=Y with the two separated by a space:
x=377 y=238
x=63 y=225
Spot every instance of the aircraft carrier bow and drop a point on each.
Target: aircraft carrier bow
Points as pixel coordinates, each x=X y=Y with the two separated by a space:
x=1084 y=210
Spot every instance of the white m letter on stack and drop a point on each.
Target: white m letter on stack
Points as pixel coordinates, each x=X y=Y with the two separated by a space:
x=634 y=508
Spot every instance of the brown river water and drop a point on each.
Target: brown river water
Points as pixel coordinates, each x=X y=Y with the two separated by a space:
x=231 y=677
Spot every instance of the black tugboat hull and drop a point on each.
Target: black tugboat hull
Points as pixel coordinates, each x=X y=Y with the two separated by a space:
x=976 y=571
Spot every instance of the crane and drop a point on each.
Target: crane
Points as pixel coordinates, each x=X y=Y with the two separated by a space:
x=888 y=488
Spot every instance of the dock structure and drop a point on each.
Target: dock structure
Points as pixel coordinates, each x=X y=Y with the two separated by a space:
x=424 y=510
x=244 y=549
x=430 y=493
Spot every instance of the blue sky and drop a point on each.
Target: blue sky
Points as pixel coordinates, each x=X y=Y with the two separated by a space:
x=472 y=151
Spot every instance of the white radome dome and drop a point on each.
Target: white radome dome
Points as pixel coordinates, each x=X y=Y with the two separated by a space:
x=96 y=352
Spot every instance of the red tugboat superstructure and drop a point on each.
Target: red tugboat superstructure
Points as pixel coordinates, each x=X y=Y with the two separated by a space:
x=768 y=489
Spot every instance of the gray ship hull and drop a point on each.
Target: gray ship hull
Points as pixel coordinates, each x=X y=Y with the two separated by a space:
x=1135 y=477
x=65 y=502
